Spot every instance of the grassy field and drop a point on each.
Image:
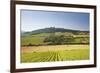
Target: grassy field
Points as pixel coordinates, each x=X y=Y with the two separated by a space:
x=34 y=49
x=31 y=40
x=39 y=38
x=54 y=53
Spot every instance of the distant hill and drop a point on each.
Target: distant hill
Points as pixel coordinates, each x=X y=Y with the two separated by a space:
x=51 y=30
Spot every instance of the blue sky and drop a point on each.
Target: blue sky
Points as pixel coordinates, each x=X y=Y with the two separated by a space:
x=33 y=20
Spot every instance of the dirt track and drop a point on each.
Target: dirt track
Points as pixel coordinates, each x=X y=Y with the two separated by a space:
x=52 y=48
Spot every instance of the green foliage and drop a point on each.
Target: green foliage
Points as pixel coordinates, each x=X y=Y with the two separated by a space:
x=65 y=55
x=58 y=39
x=29 y=44
x=55 y=38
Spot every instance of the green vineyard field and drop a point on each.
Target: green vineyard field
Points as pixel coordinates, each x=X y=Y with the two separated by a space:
x=60 y=55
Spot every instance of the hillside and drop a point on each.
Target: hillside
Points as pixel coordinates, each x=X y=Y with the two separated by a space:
x=52 y=30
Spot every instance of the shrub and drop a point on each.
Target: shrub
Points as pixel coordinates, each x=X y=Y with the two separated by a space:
x=57 y=40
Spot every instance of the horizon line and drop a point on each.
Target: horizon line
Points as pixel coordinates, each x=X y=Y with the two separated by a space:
x=52 y=27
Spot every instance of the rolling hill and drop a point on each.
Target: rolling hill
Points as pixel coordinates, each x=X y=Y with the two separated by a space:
x=51 y=30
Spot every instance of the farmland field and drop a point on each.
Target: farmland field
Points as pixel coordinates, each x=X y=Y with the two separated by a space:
x=54 y=53
x=58 y=46
x=36 y=39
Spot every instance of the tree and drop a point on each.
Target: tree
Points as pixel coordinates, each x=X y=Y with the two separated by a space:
x=55 y=40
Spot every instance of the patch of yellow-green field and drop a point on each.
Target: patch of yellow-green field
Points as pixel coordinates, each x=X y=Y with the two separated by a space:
x=54 y=53
x=31 y=40
x=36 y=39
x=52 y=48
